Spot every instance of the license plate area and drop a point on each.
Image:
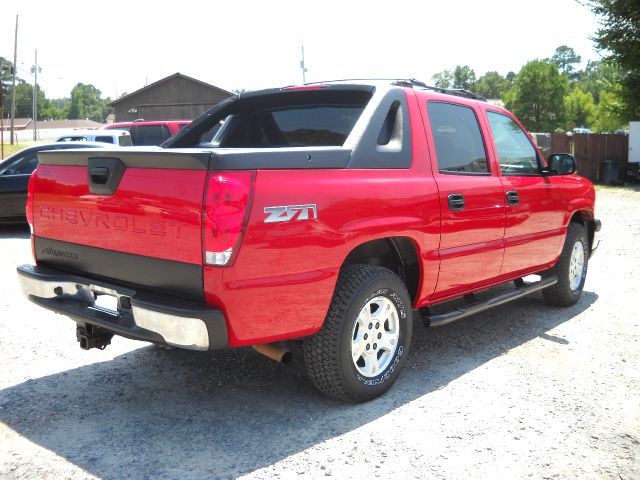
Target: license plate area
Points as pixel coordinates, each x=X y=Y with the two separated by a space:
x=106 y=303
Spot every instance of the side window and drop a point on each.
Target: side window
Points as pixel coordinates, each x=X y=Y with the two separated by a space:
x=515 y=153
x=21 y=166
x=458 y=141
x=104 y=139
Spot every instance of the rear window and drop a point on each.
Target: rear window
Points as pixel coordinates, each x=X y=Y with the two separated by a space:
x=296 y=127
x=316 y=118
x=124 y=141
x=149 y=134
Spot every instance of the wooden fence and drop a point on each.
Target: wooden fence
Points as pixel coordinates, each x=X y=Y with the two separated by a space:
x=590 y=150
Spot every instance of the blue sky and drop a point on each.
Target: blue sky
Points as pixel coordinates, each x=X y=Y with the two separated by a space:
x=119 y=46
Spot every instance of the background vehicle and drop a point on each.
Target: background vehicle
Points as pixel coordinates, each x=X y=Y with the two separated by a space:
x=332 y=212
x=14 y=177
x=114 y=137
x=151 y=132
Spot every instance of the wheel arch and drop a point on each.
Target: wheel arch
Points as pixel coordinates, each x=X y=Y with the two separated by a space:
x=584 y=217
x=399 y=254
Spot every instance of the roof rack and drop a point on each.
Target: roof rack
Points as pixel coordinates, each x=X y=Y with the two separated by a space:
x=409 y=82
x=460 y=92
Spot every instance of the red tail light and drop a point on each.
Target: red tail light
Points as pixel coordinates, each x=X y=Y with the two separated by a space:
x=226 y=211
x=30 y=189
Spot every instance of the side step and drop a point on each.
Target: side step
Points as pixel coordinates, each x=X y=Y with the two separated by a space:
x=521 y=290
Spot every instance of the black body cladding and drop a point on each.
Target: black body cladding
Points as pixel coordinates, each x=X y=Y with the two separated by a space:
x=135 y=271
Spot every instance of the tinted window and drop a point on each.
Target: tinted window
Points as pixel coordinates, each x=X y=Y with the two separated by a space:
x=124 y=141
x=457 y=138
x=516 y=154
x=294 y=127
x=72 y=139
x=23 y=165
x=149 y=134
x=105 y=139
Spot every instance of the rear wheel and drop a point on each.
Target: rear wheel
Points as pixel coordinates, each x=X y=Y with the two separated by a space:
x=362 y=346
x=571 y=269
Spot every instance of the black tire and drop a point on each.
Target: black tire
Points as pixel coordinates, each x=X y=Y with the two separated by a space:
x=561 y=294
x=328 y=354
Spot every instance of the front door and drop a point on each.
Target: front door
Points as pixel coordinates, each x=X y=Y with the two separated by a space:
x=534 y=221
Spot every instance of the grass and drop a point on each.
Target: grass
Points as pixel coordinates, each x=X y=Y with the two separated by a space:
x=11 y=149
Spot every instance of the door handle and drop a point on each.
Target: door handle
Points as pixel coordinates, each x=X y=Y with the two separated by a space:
x=456 y=201
x=513 y=198
x=99 y=175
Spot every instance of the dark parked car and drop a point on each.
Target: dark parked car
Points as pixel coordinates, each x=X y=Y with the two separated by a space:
x=14 y=177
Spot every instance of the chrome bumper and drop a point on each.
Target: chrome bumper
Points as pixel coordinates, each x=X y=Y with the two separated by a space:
x=139 y=315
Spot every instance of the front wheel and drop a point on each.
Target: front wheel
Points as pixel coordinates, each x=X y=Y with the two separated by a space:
x=571 y=269
x=362 y=346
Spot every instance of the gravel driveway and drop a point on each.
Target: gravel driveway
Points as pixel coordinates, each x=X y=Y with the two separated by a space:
x=523 y=391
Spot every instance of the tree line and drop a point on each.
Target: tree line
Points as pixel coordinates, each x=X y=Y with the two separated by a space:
x=84 y=102
x=552 y=94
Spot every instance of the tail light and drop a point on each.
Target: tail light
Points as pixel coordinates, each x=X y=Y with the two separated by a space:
x=30 y=189
x=226 y=211
x=29 y=210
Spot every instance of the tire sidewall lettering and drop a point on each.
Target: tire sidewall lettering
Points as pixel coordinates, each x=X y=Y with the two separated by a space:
x=387 y=374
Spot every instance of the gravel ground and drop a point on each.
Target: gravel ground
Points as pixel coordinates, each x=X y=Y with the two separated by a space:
x=523 y=391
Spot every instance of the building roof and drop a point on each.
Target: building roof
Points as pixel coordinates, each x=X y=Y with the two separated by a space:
x=80 y=123
x=18 y=123
x=166 y=79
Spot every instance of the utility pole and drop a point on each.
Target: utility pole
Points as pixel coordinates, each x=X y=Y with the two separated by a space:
x=304 y=70
x=35 y=69
x=13 y=86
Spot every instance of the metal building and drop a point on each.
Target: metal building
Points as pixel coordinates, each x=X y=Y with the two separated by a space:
x=175 y=97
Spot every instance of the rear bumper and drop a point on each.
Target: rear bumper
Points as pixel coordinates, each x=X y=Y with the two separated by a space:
x=595 y=226
x=139 y=315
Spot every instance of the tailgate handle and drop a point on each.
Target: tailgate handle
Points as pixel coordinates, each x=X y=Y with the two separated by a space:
x=99 y=175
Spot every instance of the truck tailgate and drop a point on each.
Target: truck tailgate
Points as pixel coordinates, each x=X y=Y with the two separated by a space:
x=123 y=215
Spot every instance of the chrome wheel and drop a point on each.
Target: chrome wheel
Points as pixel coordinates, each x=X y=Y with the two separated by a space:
x=374 y=339
x=576 y=266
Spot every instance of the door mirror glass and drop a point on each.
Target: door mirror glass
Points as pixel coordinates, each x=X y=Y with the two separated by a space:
x=562 y=164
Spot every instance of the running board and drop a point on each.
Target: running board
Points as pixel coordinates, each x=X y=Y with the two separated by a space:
x=519 y=291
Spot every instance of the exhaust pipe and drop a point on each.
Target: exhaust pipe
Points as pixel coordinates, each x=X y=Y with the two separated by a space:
x=274 y=351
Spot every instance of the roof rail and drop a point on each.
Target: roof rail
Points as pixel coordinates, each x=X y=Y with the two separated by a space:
x=460 y=92
x=409 y=82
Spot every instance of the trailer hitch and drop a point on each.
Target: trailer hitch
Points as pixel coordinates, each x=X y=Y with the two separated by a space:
x=91 y=336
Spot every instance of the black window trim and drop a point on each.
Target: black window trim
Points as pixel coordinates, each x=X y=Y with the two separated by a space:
x=489 y=172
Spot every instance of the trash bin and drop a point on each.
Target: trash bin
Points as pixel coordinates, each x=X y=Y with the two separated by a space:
x=610 y=172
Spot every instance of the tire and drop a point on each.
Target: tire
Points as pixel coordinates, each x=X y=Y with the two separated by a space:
x=343 y=359
x=571 y=269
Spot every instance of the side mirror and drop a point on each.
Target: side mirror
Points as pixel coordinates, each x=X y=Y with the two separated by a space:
x=562 y=164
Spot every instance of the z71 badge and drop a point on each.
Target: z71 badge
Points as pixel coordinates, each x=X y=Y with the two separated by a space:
x=286 y=213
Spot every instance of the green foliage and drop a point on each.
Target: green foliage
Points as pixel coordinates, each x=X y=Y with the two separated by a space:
x=24 y=100
x=579 y=109
x=463 y=77
x=619 y=38
x=443 y=79
x=6 y=76
x=537 y=96
x=491 y=85
x=566 y=59
x=607 y=115
x=86 y=102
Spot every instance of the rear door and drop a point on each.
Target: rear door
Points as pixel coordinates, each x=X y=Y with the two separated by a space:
x=472 y=204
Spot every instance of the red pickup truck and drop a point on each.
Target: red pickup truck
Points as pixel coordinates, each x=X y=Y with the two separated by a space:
x=335 y=213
